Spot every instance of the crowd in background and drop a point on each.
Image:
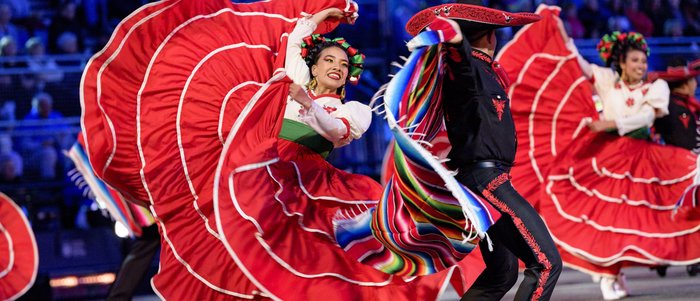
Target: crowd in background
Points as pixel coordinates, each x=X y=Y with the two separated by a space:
x=44 y=45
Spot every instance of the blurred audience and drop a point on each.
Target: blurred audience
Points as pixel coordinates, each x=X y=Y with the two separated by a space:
x=66 y=21
x=45 y=68
x=19 y=87
x=639 y=20
x=573 y=24
x=691 y=14
x=7 y=150
x=20 y=8
x=48 y=139
x=7 y=28
x=11 y=168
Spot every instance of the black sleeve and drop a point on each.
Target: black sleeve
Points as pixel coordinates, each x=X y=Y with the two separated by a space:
x=460 y=99
x=461 y=69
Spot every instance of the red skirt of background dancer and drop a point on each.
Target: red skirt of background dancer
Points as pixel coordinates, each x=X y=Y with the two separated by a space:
x=608 y=201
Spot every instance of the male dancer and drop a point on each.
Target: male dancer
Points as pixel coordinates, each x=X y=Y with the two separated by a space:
x=482 y=134
x=679 y=126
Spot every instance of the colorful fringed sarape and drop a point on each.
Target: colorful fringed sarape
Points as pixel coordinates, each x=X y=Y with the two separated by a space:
x=130 y=215
x=426 y=221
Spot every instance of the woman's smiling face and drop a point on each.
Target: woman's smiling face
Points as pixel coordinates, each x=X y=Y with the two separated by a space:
x=634 y=66
x=331 y=69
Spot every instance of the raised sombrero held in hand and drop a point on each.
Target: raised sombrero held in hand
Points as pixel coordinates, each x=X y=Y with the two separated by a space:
x=471 y=15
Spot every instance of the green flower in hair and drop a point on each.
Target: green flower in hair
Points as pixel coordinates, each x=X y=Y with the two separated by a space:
x=613 y=45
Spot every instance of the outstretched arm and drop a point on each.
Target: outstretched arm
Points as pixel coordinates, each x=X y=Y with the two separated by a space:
x=294 y=64
x=331 y=128
x=585 y=65
x=460 y=58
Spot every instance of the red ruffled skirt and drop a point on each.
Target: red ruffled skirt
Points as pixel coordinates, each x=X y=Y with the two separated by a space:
x=278 y=225
x=19 y=259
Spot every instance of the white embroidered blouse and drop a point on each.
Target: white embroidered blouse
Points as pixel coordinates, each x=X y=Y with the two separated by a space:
x=631 y=107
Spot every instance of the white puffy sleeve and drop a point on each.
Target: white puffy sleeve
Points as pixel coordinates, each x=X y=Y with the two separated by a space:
x=603 y=78
x=348 y=122
x=294 y=64
x=331 y=128
x=658 y=97
x=644 y=118
x=357 y=116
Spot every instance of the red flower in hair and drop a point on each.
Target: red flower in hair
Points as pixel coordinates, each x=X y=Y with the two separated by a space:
x=309 y=40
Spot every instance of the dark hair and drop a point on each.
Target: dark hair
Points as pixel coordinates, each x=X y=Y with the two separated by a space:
x=315 y=52
x=622 y=56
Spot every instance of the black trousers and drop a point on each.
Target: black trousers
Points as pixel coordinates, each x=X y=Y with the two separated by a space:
x=135 y=264
x=520 y=233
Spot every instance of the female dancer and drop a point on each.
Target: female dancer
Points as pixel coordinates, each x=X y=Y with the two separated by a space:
x=323 y=67
x=196 y=128
x=630 y=104
x=607 y=200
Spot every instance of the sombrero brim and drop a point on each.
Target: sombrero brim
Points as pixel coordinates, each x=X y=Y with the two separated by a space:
x=18 y=252
x=673 y=76
x=473 y=16
x=694 y=65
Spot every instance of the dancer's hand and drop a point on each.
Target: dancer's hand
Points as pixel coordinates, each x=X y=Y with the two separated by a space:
x=332 y=12
x=298 y=94
x=450 y=30
x=602 y=125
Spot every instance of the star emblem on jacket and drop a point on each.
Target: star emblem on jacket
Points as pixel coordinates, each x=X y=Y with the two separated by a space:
x=630 y=102
x=500 y=105
x=684 y=119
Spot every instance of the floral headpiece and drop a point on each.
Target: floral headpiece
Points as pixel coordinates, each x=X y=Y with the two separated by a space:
x=313 y=43
x=611 y=46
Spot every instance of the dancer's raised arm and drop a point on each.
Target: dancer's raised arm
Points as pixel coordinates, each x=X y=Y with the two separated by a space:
x=585 y=65
x=294 y=63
